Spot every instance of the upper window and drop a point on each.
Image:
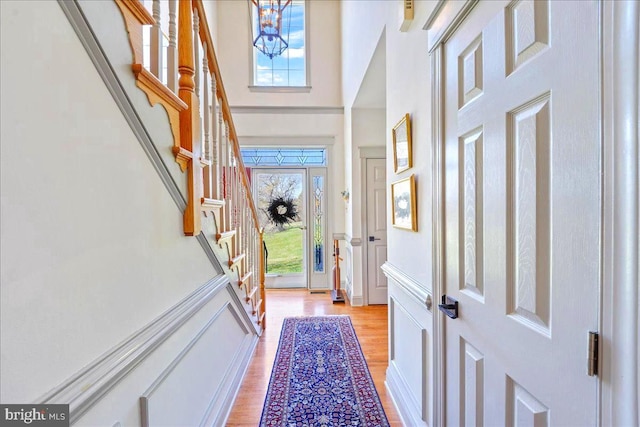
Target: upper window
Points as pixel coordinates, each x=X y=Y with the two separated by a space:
x=290 y=68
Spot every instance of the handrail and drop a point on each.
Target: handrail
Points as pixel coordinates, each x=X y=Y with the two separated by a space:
x=214 y=68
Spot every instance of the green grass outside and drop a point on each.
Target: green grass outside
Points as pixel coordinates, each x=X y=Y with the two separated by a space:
x=285 y=251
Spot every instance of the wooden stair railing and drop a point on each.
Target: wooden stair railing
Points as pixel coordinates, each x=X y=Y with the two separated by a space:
x=205 y=141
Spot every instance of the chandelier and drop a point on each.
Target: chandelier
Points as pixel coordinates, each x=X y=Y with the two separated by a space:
x=271 y=26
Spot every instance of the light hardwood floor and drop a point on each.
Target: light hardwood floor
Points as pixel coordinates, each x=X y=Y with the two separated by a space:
x=369 y=322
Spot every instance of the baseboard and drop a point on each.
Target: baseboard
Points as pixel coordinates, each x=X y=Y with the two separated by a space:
x=356 y=301
x=401 y=399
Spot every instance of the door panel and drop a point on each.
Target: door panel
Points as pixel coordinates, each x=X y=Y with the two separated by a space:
x=319 y=266
x=522 y=213
x=377 y=230
x=287 y=243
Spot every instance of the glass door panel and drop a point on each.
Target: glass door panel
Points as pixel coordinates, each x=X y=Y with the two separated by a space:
x=321 y=263
x=281 y=201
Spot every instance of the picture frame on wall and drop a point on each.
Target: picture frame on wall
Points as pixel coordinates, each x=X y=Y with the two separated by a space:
x=402 y=155
x=403 y=204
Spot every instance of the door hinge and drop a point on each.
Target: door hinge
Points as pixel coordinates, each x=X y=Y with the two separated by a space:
x=592 y=363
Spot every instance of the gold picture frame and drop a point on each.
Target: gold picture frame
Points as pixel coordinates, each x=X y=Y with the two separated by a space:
x=402 y=156
x=403 y=204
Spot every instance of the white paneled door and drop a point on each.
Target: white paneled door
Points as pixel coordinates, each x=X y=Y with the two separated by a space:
x=522 y=213
x=376 y=231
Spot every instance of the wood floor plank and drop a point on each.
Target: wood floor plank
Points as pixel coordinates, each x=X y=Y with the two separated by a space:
x=370 y=324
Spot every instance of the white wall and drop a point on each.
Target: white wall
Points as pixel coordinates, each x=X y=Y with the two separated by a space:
x=409 y=253
x=407 y=91
x=211 y=10
x=92 y=248
x=367 y=129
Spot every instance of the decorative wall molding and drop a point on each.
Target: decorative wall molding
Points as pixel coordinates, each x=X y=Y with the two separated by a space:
x=88 y=39
x=157 y=384
x=410 y=326
x=84 y=389
x=219 y=417
x=272 y=109
x=372 y=152
x=407 y=283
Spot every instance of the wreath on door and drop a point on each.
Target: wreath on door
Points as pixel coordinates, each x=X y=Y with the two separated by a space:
x=282 y=211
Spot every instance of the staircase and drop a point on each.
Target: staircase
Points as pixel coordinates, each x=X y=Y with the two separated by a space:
x=182 y=74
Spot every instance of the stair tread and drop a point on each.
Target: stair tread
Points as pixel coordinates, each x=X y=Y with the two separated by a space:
x=211 y=203
x=225 y=235
x=246 y=276
x=233 y=261
x=251 y=294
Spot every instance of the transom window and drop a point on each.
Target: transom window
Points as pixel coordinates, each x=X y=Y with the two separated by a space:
x=284 y=156
x=289 y=68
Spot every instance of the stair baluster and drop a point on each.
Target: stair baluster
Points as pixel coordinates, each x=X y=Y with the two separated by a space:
x=205 y=141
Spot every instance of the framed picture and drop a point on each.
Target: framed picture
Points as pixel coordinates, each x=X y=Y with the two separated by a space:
x=402 y=145
x=403 y=204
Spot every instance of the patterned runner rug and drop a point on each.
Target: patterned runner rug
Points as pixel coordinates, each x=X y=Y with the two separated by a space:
x=320 y=377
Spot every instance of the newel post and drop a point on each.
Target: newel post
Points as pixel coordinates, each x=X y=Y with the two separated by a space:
x=189 y=118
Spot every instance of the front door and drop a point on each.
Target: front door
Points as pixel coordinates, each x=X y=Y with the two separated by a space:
x=522 y=213
x=297 y=248
x=280 y=195
x=376 y=231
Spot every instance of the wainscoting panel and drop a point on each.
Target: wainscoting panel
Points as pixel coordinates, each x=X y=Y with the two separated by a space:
x=354 y=273
x=184 y=368
x=349 y=271
x=204 y=364
x=409 y=375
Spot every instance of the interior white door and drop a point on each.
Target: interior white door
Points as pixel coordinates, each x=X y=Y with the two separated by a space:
x=522 y=213
x=376 y=221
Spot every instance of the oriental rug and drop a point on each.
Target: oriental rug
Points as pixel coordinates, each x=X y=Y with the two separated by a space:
x=320 y=377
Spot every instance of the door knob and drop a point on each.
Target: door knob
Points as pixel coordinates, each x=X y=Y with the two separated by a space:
x=449 y=307
x=372 y=238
